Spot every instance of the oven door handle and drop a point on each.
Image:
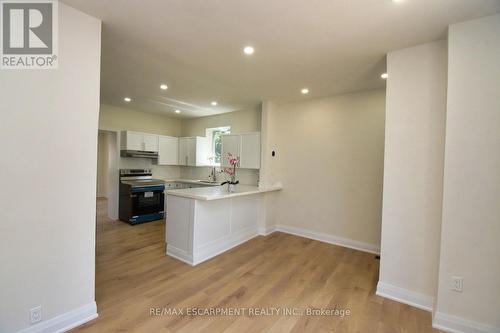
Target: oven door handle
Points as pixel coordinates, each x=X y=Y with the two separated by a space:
x=159 y=188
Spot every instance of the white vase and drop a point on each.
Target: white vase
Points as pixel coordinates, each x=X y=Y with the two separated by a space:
x=231 y=188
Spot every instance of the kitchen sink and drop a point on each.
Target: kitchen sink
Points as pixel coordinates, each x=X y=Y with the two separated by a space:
x=208 y=182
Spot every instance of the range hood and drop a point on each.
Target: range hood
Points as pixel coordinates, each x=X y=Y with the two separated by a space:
x=139 y=153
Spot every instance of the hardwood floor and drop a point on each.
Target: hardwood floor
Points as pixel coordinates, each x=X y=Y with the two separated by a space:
x=282 y=271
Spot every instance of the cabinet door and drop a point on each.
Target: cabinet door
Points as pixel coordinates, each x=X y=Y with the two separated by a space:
x=168 y=150
x=133 y=141
x=202 y=151
x=231 y=143
x=183 y=151
x=250 y=151
x=150 y=142
x=191 y=151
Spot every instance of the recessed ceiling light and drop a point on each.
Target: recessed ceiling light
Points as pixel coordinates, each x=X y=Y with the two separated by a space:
x=127 y=99
x=214 y=103
x=163 y=87
x=177 y=111
x=305 y=91
x=249 y=50
x=398 y=1
x=384 y=76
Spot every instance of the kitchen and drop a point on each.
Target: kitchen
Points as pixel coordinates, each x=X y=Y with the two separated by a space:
x=184 y=159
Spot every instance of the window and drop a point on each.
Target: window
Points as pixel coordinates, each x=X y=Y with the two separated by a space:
x=215 y=139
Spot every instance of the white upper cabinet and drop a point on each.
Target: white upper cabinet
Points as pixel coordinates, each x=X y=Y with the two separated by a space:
x=183 y=151
x=201 y=152
x=150 y=142
x=231 y=144
x=193 y=151
x=139 y=141
x=131 y=140
x=250 y=151
x=246 y=146
x=168 y=150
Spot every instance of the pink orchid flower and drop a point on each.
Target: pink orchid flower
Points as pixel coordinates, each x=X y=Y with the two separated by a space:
x=232 y=160
x=229 y=171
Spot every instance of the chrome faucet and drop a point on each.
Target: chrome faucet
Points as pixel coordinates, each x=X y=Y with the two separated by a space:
x=213 y=175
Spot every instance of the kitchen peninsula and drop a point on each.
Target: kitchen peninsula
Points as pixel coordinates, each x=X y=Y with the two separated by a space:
x=206 y=221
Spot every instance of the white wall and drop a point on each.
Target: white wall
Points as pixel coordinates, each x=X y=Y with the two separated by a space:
x=112 y=117
x=330 y=161
x=266 y=177
x=413 y=170
x=470 y=237
x=49 y=127
x=240 y=122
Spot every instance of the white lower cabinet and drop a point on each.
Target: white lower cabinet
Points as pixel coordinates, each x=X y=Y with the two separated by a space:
x=198 y=230
x=178 y=186
x=170 y=186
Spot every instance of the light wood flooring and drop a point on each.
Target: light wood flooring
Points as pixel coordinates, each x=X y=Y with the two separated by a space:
x=133 y=275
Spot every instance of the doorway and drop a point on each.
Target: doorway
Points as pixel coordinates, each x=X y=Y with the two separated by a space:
x=107 y=172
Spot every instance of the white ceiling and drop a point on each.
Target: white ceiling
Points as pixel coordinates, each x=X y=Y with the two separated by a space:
x=195 y=46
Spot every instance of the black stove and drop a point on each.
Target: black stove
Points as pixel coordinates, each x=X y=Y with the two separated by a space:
x=142 y=198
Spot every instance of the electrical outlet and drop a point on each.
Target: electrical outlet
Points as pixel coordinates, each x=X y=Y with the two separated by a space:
x=457 y=283
x=36 y=314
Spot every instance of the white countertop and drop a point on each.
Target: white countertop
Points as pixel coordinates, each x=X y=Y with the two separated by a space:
x=192 y=181
x=219 y=192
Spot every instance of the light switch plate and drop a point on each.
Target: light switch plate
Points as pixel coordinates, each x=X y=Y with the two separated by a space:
x=36 y=314
x=457 y=283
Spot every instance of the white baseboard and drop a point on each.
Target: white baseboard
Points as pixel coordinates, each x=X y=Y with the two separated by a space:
x=453 y=324
x=214 y=248
x=327 y=238
x=441 y=321
x=179 y=254
x=265 y=231
x=420 y=301
x=66 y=321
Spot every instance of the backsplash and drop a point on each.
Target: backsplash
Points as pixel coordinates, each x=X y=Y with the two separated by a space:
x=135 y=163
x=159 y=171
x=166 y=172
x=245 y=176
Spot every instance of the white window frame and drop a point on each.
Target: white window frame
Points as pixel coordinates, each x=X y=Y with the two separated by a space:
x=210 y=137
